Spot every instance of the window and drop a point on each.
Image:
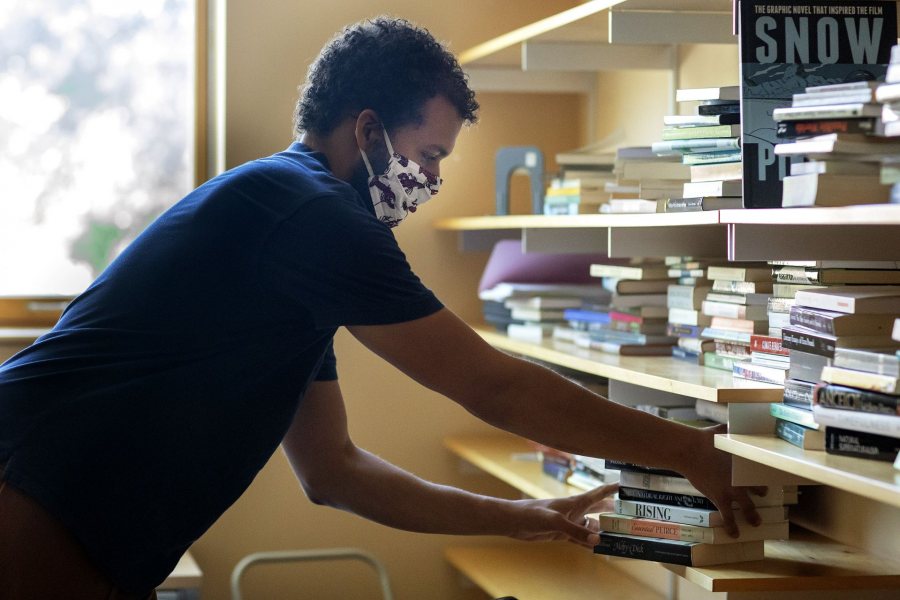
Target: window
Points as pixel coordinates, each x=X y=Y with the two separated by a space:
x=97 y=121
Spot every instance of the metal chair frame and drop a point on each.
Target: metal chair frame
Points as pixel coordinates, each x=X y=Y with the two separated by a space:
x=286 y=556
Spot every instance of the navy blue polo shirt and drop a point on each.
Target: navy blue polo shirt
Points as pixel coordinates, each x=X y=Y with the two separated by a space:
x=167 y=385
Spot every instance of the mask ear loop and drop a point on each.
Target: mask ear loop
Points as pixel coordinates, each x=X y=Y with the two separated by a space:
x=387 y=141
x=367 y=163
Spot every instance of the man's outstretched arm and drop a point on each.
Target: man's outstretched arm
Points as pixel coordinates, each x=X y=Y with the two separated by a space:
x=334 y=472
x=444 y=354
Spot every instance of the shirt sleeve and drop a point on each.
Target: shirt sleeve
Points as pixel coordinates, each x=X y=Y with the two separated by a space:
x=328 y=368
x=344 y=267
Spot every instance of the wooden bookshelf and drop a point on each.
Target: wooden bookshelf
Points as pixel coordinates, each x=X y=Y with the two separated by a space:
x=866 y=233
x=868 y=478
x=542 y=571
x=681 y=219
x=504 y=457
x=655 y=372
x=806 y=562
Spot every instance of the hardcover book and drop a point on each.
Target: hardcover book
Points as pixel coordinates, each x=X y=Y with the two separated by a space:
x=789 y=45
x=677 y=552
x=861 y=445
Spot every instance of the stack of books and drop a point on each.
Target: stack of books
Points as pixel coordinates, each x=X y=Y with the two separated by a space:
x=644 y=180
x=684 y=300
x=708 y=142
x=836 y=327
x=661 y=517
x=530 y=311
x=583 y=472
x=853 y=403
x=836 y=128
x=579 y=186
x=638 y=315
x=575 y=196
x=737 y=319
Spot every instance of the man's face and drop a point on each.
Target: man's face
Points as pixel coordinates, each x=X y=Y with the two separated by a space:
x=432 y=140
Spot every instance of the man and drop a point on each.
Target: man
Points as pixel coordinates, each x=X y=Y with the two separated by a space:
x=166 y=386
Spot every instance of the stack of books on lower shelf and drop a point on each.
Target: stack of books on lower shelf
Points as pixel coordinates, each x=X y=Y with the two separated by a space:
x=583 y=472
x=835 y=335
x=684 y=300
x=839 y=129
x=708 y=142
x=644 y=180
x=530 y=311
x=636 y=322
x=660 y=516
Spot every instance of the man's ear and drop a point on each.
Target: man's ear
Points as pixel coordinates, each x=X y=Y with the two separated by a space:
x=368 y=131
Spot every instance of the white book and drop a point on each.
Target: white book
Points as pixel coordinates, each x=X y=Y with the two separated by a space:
x=896 y=333
x=700 y=189
x=884 y=384
x=853 y=420
x=863 y=299
x=693 y=516
x=629 y=525
x=529 y=332
x=660 y=483
x=729 y=92
x=831 y=111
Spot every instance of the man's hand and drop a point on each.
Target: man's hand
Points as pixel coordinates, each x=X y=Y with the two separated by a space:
x=563 y=518
x=710 y=472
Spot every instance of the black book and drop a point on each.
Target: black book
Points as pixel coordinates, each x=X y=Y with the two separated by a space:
x=616 y=465
x=795 y=129
x=677 y=552
x=729 y=108
x=839 y=396
x=814 y=342
x=861 y=445
x=799 y=393
x=777 y=63
x=667 y=498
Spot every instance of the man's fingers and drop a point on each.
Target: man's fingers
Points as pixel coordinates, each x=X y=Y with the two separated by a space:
x=728 y=517
x=758 y=490
x=598 y=498
x=580 y=532
x=747 y=507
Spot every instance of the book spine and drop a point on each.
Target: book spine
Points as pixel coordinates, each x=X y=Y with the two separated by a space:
x=643 y=549
x=716 y=361
x=672 y=514
x=658 y=529
x=788 y=274
x=885 y=384
x=812 y=320
x=667 y=498
x=662 y=483
x=847 y=398
x=678 y=330
x=794 y=415
x=862 y=445
x=888 y=425
x=618 y=465
x=795 y=129
x=792 y=339
x=758 y=373
x=769 y=345
x=791 y=432
x=799 y=393
x=684 y=204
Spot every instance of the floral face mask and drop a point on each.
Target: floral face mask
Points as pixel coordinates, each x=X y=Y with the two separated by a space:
x=402 y=187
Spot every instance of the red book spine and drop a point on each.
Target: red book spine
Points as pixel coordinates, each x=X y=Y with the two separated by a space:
x=769 y=345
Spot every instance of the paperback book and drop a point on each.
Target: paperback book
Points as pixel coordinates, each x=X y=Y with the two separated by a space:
x=788 y=45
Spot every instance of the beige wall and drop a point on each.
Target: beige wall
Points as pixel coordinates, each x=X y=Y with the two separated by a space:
x=269 y=46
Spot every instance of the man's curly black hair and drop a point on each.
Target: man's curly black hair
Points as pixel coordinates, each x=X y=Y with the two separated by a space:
x=385 y=64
